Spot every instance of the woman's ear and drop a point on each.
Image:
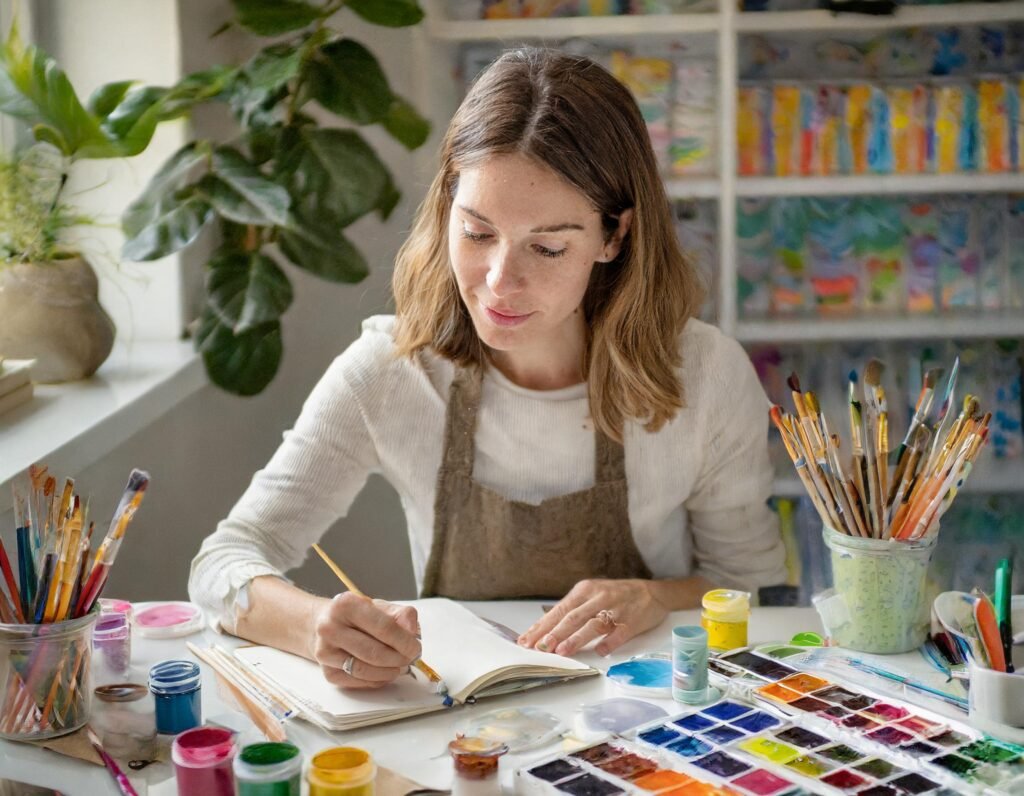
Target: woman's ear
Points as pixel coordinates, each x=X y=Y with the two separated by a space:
x=614 y=244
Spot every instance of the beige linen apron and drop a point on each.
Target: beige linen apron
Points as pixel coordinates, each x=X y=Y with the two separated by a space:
x=487 y=547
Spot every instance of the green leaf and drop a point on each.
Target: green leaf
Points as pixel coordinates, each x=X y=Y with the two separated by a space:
x=273 y=17
x=324 y=252
x=248 y=182
x=177 y=224
x=34 y=89
x=389 y=200
x=104 y=99
x=163 y=186
x=333 y=175
x=247 y=289
x=243 y=364
x=346 y=79
x=273 y=66
x=132 y=123
x=405 y=124
x=392 y=13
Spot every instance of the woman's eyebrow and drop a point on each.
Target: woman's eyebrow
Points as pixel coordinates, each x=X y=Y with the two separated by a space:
x=550 y=228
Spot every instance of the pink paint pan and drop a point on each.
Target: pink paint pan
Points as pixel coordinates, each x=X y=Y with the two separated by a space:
x=167 y=619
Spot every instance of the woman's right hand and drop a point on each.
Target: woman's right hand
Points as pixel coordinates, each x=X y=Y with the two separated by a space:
x=382 y=640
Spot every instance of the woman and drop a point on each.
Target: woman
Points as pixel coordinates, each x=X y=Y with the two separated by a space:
x=555 y=421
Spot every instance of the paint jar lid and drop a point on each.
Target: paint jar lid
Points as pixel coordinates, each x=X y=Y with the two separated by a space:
x=121 y=692
x=341 y=765
x=727 y=605
x=174 y=677
x=268 y=763
x=167 y=619
x=203 y=747
x=110 y=627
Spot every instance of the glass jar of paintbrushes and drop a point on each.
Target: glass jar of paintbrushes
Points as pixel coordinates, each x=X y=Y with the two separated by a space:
x=880 y=509
x=48 y=610
x=45 y=677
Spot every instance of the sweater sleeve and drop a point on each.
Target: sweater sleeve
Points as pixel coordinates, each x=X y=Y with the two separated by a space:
x=736 y=535
x=309 y=483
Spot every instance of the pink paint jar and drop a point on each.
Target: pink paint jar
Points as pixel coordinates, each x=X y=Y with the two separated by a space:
x=203 y=760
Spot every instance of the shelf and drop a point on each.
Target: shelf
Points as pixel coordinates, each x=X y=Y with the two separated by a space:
x=692 y=187
x=905 y=17
x=879 y=184
x=573 y=27
x=991 y=476
x=70 y=426
x=1005 y=324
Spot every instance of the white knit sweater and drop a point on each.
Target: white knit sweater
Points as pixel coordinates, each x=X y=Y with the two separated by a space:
x=697 y=487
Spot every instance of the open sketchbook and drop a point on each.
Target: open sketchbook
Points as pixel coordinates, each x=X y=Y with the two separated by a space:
x=473 y=657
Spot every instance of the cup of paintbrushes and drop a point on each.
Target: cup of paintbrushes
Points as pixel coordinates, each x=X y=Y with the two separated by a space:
x=45 y=678
x=879 y=599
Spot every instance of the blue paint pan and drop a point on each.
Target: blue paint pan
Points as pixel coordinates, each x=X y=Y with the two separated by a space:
x=645 y=675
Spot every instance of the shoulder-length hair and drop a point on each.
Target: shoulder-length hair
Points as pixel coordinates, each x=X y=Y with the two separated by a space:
x=571 y=115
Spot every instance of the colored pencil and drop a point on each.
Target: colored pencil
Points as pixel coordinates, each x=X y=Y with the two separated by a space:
x=430 y=674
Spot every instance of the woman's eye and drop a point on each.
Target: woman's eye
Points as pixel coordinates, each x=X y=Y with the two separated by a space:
x=474 y=236
x=544 y=251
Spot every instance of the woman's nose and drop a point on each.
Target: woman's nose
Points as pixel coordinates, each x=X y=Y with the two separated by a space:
x=504 y=275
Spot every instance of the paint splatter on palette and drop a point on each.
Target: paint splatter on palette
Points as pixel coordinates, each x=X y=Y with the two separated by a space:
x=794 y=733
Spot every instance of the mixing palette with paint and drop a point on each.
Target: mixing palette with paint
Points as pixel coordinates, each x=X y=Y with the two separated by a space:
x=784 y=732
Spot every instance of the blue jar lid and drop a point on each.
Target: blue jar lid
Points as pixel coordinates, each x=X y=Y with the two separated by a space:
x=174 y=677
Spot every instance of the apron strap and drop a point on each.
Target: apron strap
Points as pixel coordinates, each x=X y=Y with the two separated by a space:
x=609 y=459
x=460 y=420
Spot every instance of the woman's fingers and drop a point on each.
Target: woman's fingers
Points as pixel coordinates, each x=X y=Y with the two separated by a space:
x=563 y=619
x=592 y=629
x=362 y=614
x=363 y=675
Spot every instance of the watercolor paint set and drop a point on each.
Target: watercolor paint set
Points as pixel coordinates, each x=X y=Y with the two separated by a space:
x=783 y=732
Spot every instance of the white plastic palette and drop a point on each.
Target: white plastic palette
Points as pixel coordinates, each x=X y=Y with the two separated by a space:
x=167 y=619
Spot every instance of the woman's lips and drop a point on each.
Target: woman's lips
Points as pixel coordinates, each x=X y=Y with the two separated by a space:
x=505 y=318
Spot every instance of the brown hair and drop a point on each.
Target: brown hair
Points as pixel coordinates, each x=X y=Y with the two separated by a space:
x=571 y=115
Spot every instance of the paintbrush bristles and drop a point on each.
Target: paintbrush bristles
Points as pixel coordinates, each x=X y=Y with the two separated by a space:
x=931 y=466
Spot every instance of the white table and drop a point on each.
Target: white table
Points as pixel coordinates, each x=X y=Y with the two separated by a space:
x=415 y=747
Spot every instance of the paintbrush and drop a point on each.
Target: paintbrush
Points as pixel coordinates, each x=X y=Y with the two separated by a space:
x=858 y=462
x=776 y=415
x=872 y=381
x=248 y=698
x=116 y=774
x=918 y=443
x=434 y=677
x=831 y=473
x=921 y=410
x=135 y=490
x=949 y=395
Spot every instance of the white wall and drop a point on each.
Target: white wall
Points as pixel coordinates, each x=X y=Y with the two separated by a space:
x=203 y=453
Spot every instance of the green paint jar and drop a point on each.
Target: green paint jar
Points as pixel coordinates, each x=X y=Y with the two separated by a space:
x=269 y=769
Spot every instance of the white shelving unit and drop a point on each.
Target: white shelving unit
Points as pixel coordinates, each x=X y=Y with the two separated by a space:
x=718 y=34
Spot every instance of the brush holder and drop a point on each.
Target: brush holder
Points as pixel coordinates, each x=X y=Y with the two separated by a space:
x=879 y=601
x=45 y=678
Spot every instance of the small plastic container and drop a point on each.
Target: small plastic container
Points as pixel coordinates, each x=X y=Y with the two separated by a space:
x=177 y=689
x=342 y=771
x=879 y=601
x=124 y=717
x=269 y=769
x=725 y=616
x=689 y=664
x=58 y=682
x=111 y=647
x=203 y=762
x=476 y=766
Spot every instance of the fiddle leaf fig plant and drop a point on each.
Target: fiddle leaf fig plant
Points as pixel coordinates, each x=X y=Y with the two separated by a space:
x=286 y=187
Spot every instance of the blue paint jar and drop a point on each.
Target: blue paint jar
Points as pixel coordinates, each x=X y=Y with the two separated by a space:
x=176 y=687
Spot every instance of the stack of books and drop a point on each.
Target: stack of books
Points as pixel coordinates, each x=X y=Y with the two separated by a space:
x=15 y=383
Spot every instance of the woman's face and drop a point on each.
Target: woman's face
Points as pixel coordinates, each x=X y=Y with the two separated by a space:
x=522 y=243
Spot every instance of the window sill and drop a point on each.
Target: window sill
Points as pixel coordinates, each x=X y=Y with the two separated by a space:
x=70 y=426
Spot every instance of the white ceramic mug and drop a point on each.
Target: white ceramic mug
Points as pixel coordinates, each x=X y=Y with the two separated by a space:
x=997 y=696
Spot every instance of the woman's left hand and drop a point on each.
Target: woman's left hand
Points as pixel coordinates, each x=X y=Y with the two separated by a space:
x=611 y=610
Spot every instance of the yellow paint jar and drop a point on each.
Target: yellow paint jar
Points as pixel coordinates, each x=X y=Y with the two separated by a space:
x=341 y=771
x=725 y=618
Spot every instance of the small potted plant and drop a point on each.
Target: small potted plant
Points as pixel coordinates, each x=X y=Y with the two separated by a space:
x=49 y=310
